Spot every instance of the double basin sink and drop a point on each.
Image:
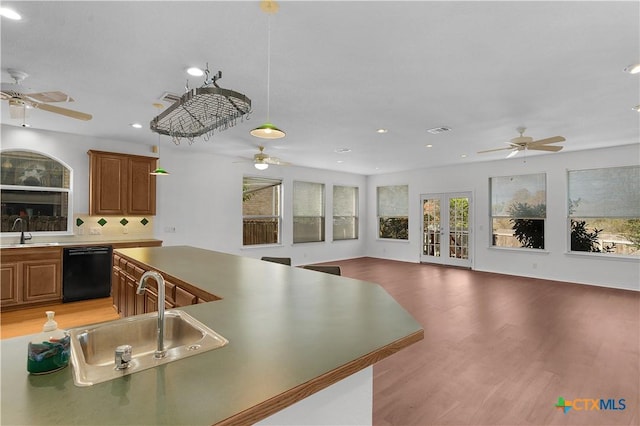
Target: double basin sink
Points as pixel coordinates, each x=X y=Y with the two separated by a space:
x=93 y=347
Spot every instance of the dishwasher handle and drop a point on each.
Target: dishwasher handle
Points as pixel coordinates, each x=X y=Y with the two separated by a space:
x=91 y=250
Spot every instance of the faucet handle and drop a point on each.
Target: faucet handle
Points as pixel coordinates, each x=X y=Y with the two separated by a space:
x=122 y=356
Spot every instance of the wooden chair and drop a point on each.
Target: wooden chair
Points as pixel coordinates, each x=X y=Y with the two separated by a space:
x=329 y=269
x=281 y=260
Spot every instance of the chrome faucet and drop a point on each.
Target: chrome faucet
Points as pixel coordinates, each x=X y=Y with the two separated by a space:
x=160 y=352
x=22 y=237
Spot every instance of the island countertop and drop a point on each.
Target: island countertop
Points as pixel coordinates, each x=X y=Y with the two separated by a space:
x=291 y=332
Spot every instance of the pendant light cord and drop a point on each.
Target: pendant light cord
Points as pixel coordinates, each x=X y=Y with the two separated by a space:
x=268 y=65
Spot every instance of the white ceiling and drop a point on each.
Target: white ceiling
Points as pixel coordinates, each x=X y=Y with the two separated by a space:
x=341 y=70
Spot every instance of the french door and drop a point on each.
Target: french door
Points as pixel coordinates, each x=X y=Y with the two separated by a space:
x=446 y=228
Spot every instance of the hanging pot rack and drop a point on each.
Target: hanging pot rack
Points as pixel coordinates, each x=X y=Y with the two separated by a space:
x=201 y=111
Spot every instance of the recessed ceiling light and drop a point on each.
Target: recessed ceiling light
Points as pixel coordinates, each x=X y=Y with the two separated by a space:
x=428 y=145
x=464 y=156
x=10 y=14
x=636 y=108
x=382 y=131
x=340 y=161
x=632 y=69
x=136 y=125
x=195 y=71
x=342 y=150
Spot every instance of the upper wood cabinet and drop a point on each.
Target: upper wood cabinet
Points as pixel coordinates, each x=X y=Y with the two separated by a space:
x=121 y=184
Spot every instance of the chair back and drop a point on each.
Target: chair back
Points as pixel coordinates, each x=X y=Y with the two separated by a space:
x=329 y=269
x=281 y=260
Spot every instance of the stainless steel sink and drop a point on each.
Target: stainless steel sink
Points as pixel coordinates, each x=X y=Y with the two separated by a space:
x=93 y=347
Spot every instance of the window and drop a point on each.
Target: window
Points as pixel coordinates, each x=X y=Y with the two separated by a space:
x=518 y=210
x=345 y=213
x=261 y=207
x=393 y=212
x=37 y=189
x=308 y=212
x=604 y=210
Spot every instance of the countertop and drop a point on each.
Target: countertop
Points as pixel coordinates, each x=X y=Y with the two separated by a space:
x=71 y=241
x=291 y=333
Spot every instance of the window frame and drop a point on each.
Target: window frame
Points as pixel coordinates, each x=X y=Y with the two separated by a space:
x=581 y=217
x=356 y=216
x=29 y=188
x=380 y=217
x=278 y=217
x=492 y=216
x=322 y=217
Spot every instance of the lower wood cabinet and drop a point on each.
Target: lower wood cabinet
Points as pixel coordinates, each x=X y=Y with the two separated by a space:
x=30 y=276
x=127 y=274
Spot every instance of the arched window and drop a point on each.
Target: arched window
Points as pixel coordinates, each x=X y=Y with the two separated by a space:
x=36 y=188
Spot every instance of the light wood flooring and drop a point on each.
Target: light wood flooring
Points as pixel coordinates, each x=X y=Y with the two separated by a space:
x=68 y=315
x=498 y=349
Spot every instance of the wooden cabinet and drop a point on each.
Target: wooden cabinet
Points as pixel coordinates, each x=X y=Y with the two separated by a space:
x=126 y=275
x=121 y=184
x=30 y=276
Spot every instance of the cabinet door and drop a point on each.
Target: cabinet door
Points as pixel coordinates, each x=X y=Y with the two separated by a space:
x=142 y=186
x=41 y=280
x=9 y=284
x=108 y=184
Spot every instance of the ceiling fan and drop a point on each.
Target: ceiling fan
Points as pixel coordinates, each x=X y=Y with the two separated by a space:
x=19 y=102
x=261 y=161
x=522 y=143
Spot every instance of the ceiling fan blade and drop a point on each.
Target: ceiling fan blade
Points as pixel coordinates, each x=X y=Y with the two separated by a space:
x=544 y=148
x=552 y=139
x=49 y=97
x=62 y=111
x=276 y=161
x=513 y=153
x=5 y=95
x=497 y=149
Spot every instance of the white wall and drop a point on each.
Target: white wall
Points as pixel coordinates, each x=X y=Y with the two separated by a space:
x=554 y=263
x=202 y=200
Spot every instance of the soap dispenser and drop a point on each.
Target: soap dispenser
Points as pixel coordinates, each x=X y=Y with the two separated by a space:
x=48 y=351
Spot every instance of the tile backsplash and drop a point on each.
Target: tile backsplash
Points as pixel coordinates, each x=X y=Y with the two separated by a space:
x=134 y=226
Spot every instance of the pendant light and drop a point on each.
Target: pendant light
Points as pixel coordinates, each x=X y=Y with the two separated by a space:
x=268 y=130
x=159 y=171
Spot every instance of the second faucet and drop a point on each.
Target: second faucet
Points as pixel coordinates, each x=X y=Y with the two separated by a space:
x=160 y=352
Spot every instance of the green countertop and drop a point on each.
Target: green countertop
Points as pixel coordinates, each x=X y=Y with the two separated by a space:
x=291 y=332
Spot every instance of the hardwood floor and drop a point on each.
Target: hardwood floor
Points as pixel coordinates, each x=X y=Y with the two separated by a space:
x=68 y=315
x=501 y=349
x=498 y=349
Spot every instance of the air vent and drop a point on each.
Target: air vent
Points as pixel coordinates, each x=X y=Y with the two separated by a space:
x=437 y=130
x=169 y=97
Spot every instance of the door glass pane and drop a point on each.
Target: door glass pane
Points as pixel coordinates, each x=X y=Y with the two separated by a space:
x=459 y=228
x=431 y=227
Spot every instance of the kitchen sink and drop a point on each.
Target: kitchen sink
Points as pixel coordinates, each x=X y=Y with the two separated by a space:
x=12 y=245
x=93 y=346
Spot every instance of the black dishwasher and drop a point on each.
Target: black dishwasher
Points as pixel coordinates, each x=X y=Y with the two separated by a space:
x=86 y=273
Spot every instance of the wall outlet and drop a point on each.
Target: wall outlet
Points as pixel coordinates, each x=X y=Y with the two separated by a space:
x=170 y=229
x=95 y=230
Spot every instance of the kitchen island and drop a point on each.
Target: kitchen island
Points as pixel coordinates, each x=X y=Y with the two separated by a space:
x=292 y=332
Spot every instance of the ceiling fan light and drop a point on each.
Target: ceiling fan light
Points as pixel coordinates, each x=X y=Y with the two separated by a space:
x=261 y=166
x=632 y=69
x=268 y=131
x=160 y=172
x=10 y=14
x=195 y=71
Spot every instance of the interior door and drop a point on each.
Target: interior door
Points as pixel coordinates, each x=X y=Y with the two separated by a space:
x=446 y=228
